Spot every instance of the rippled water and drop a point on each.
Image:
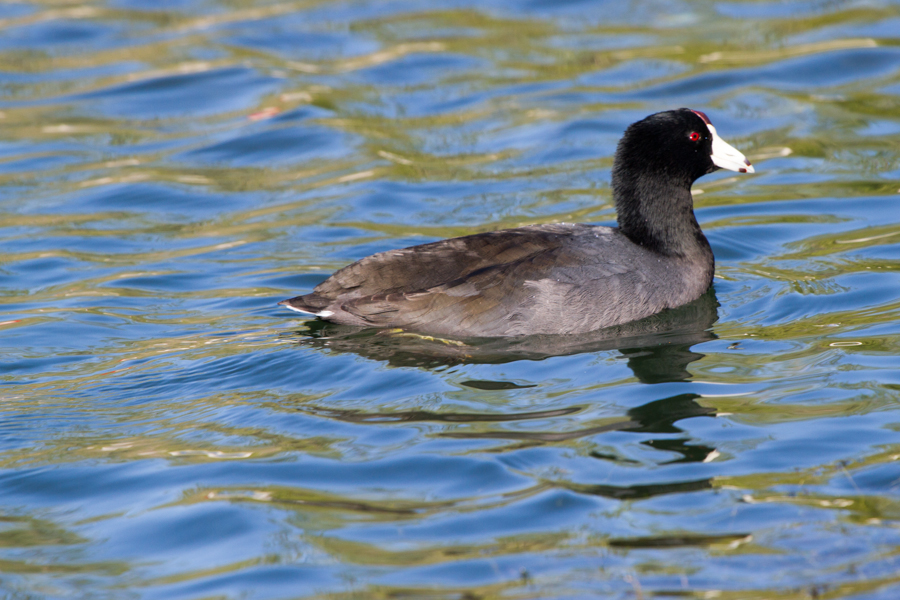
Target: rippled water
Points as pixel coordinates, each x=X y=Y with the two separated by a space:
x=170 y=170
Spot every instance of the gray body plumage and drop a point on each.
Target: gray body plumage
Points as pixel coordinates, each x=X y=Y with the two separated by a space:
x=557 y=278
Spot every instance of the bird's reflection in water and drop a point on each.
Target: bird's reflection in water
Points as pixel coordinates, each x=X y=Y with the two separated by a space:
x=658 y=350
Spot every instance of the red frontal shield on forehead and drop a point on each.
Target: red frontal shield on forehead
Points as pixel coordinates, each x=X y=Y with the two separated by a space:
x=702 y=116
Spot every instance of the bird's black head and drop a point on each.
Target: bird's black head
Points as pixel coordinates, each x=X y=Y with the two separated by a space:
x=679 y=144
x=657 y=160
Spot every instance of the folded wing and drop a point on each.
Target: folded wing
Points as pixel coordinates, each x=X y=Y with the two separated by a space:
x=487 y=284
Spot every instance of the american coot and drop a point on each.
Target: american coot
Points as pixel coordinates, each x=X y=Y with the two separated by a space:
x=555 y=278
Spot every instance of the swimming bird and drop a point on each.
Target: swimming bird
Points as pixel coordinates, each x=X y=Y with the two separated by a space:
x=554 y=278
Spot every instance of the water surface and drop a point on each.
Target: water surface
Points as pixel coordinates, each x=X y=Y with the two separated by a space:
x=171 y=170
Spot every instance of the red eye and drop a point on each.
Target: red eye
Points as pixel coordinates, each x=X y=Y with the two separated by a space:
x=694 y=136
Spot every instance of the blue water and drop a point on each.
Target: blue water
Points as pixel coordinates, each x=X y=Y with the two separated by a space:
x=169 y=171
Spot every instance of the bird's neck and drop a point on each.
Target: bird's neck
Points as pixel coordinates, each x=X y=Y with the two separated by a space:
x=660 y=217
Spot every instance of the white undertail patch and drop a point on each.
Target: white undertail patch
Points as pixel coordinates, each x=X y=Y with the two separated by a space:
x=324 y=314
